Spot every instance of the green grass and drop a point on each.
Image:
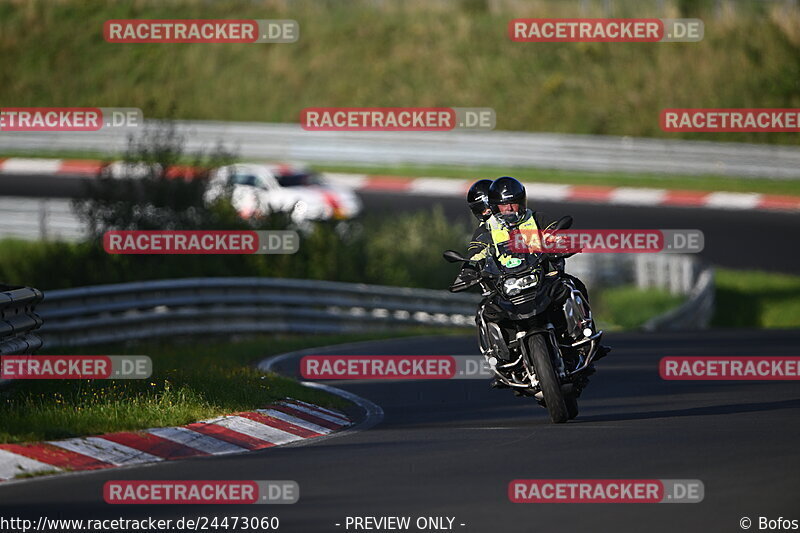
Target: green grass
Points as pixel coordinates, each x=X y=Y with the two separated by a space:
x=752 y=299
x=411 y=53
x=744 y=299
x=627 y=307
x=190 y=382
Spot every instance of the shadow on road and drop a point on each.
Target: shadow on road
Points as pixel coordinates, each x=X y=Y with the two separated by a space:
x=725 y=409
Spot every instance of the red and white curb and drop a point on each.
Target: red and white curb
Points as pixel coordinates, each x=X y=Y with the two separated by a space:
x=635 y=196
x=79 y=167
x=280 y=423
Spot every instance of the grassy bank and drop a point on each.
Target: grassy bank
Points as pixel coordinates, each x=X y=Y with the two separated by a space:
x=756 y=300
x=627 y=307
x=190 y=382
x=416 y=53
x=744 y=299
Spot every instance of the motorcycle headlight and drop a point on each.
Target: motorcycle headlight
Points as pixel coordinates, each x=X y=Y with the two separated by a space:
x=514 y=286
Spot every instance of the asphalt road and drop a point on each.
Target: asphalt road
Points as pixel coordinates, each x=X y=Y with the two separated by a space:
x=450 y=448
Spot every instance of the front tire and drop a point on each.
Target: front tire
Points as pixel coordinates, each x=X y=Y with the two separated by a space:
x=572 y=406
x=551 y=388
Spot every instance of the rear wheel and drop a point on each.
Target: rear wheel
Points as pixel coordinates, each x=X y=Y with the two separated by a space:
x=551 y=388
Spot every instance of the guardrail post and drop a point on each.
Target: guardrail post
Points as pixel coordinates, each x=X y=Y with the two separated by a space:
x=18 y=319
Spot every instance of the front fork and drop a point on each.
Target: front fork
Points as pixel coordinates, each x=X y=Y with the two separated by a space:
x=581 y=329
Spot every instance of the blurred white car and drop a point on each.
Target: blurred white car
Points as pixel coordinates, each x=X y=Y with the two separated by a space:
x=258 y=189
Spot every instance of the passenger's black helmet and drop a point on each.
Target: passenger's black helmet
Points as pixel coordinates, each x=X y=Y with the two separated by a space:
x=478 y=199
x=507 y=190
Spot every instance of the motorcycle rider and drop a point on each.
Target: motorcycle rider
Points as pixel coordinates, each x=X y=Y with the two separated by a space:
x=510 y=220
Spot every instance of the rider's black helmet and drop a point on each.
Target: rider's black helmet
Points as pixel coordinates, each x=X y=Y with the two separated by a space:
x=478 y=199
x=504 y=191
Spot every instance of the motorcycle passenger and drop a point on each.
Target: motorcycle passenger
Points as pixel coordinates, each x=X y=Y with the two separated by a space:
x=478 y=201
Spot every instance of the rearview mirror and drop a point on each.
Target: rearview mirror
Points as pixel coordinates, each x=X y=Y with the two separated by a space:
x=454 y=257
x=564 y=222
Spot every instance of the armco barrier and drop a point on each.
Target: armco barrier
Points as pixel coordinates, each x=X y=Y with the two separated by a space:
x=128 y=311
x=694 y=313
x=18 y=320
x=225 y=306
x=514 y=149
x=678 y=274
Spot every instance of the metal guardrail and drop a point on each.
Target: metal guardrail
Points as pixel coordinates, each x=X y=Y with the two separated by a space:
x=18 y=320
x=679 y=274
x=514 y=149
x=676 y=273
x=149 y=309
x=39 y=218
x=129 y=311
x=694 y=313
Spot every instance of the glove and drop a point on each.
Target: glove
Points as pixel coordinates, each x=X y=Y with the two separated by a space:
x=465 y=279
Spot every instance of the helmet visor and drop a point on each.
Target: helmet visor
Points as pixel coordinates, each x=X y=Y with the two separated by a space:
x=510 y=213
x=481 y=210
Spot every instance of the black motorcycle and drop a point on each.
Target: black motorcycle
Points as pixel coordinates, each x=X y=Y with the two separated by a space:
x=530 y=346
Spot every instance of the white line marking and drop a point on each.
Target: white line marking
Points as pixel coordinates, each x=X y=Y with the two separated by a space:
x=355 y=181
x=294 y=420
x=323 y=409
x=198 y=441
x=629 y=195
x=31 y=166
x=733 y=200
x=105 y=450
x=438 y=187
x=319 y=414
x=12 y=464
x=547 y=191
x=257 y=430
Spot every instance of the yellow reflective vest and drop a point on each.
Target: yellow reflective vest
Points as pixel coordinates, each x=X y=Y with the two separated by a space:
x=525 y=235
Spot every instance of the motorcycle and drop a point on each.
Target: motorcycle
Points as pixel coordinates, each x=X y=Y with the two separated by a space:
x=524 y=348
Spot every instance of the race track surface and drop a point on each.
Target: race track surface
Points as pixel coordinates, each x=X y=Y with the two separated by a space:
x=450 y=448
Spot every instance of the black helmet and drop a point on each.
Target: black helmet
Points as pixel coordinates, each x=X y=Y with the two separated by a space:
x=504 y=191
x=478 y=199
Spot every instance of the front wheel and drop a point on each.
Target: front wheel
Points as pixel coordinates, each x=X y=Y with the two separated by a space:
x=572 y=406
x=551 y=388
